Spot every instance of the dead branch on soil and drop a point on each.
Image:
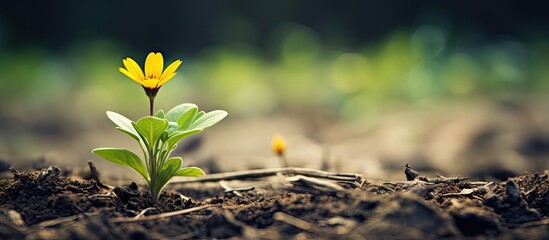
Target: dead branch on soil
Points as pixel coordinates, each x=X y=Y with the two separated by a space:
x=412 y=175
x=469 y=191
x=437 y=180
x=235 y=191
x=307 y=226
x=443 y=179
x=59 y=221
x=530 y=224
x=160 y=216
x=184 y=198
x=258 y=173
x=382 y=188
x=107 y=195
x=142 y=213
x=313 y=183
x=95 y=176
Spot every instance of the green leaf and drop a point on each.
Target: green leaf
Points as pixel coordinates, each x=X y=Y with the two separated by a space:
x=179 y=135
x=151 y=128
x=190 y=172
x=123 y=157
x=172 y=165
x=141 y=136
x=172 y=127
x=163 y=154
x=122 y=122
x=170 y=168
x=199 y=115
x=209 y=119
x=159 y=114
x=164 y=136
x=176 y=112
x=132 y=135
x=185 y=120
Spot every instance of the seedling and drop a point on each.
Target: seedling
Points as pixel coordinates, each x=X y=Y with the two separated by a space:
x=158 y=135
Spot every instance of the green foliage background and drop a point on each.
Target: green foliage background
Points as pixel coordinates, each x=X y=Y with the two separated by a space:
x=350 y=61
x=418 y=67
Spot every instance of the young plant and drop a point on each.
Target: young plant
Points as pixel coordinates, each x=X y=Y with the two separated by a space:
x=158 y=135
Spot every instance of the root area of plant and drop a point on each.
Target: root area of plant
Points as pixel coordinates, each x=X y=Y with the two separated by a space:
x=45 y=204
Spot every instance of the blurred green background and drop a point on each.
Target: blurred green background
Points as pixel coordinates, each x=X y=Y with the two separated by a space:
x=348 y=60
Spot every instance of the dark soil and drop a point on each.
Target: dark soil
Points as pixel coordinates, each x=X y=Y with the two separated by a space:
x=45 y=205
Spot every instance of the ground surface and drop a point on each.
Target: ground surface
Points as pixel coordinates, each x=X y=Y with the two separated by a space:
x=477 y=138
x=45 y=204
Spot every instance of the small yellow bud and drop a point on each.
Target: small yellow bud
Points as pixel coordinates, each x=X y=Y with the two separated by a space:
x=279 y=144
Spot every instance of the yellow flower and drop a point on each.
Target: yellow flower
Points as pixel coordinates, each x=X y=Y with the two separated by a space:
x=155 y=76
x=279 y=144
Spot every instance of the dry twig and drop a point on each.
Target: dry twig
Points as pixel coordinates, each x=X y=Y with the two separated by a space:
x=469 y=191
x=142 y=213
x=443 y=179
x=307 y=226
x=159 y=216
x=59 y=221
x=258 y=173
x=235 y=191
x=530 y=224
x=300 y=223
x=95 y=176
x=107 y=195
x=383 y=188
x=314 y=183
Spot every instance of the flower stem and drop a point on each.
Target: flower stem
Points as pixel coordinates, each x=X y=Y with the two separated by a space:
x=151 y=105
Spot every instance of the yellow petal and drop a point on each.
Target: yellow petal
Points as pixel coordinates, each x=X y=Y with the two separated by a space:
x=170 y=70
x=129 y=74
x=151 y=83
x=158 y=66
x=154 y=65
x=134 y=68
x=166 y=79
x=149 y=64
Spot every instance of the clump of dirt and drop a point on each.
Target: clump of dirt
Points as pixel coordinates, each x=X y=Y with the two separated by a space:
x=474 y=220
x=420 y=208
x=130 y=201
x=536 y=191
x=44 y=195
x=511 y=205
x=406 y=214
